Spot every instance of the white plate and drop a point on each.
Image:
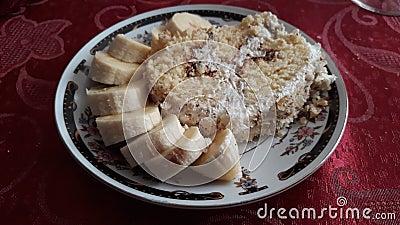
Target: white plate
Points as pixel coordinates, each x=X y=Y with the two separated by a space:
x=291 y=160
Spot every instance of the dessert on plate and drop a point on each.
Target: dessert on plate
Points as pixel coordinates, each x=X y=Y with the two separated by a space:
x=200 y=90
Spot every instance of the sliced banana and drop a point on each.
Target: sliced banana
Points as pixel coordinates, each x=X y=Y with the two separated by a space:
x=128 y=50
x=180 y=22
x=188 y=148
x=233 y=173
x=167 y=149
x=156 y=42
x=161 y=146
x=116 y=128
x=160 y=139
x=128 y=156
x=221 y=160
x=174 y=160
x=109 y=70
x=149 y=148
x=110 y=100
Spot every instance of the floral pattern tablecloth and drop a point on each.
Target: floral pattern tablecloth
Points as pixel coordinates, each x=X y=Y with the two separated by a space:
x=40 y=183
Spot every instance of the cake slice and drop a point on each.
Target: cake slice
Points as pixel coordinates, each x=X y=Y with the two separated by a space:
x=156 y=43
x=294 y=69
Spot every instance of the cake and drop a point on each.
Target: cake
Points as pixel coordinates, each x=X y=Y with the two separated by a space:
x=292 y=68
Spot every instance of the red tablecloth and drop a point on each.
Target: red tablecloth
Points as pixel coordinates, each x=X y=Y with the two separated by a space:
x=40 y=183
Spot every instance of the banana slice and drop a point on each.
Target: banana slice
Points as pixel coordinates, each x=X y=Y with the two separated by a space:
x=188 y=148
x=181 y=22
x=221 y=160
x=109 y=100
x=148 y=149
x=156 y=42
x=128 y=156
x=174 y=160
x=114 y=130
x=167 y=149
x=160 y=139
x=233 y=173
x=128 y=50
x=109 y=70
